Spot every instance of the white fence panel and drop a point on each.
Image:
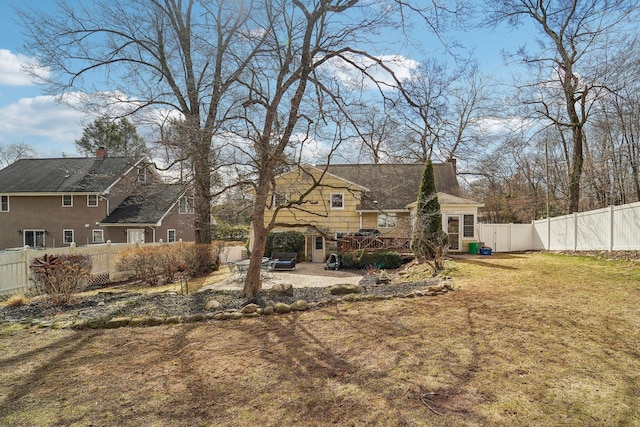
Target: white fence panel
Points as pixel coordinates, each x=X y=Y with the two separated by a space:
x=13 y=272
x=626 y=233
x=563 y=233
x=593 y=230
x=507 y=237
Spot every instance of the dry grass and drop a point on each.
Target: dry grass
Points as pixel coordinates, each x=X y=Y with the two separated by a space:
x=530 y=340
x=17 y=300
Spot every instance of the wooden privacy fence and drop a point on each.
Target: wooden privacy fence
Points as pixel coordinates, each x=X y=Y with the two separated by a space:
x=616 y=228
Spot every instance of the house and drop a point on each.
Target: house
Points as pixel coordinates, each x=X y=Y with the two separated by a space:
x=58 y=201
x=377 y=199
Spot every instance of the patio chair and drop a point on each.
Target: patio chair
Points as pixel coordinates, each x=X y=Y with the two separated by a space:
x=267 y=269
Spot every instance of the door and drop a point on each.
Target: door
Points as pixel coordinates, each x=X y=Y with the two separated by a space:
x=135 y=235
x=318 y=249
x=453 y=232
x=34 y=238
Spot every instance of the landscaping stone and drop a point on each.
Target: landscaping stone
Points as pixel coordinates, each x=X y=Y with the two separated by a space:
x=281 y=307
x=250 y=308
x=155 y=321
x=172 y=320
x=116 y=322
x=300 y=305
x=345 y=289
x=137 y=321
x=281 y=289
x=198 y=317
x=212 y=304
x=268 y=310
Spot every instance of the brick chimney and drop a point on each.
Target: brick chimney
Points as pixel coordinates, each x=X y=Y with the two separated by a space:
x=101 y=153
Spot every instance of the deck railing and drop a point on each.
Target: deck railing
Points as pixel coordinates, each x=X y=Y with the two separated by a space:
x=374 y=243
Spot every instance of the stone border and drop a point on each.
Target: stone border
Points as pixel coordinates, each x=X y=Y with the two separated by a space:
x=248 y=311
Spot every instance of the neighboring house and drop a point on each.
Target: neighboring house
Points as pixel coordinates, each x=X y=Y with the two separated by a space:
x=382 y=197
x=54 y=202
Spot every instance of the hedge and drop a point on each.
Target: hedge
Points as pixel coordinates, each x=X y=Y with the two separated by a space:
x=368 y=259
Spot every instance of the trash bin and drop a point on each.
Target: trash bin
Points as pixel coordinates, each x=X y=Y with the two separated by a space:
x=473 y=248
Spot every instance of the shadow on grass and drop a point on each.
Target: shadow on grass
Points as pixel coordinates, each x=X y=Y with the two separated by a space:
x=485 y=264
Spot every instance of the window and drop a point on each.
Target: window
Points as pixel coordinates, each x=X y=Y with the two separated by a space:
x=468 y=228
x=171 y=236
x=142 y=175
x=92 y=200
x=279 y=199
x=4 y=203
x=67 y=236
x=186 y=205
x=34 y=238
x=319 y=242
x=67 y=200
x=386 y=220
x=97 y=236
x=337 y=200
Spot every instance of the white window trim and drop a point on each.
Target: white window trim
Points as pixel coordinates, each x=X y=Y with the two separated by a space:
x=8 y=203
x=331 y=201
x=275 y=204
x=73 y=236
x=35 y=230
x=188 y=208
x=89 y=198
x=472 y=225
x=67 y=195
x=174 y=235
x=93 y=237
x=142 y=175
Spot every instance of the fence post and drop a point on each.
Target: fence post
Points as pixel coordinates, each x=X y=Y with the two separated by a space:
x=25 y=251
x=109 y=255
x=575 y=231
x=611 y=228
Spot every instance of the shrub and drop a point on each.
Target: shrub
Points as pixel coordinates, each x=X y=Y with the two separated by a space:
x=155 y=263
x=230 y=233
x=60 y=277
x=286 y=241
x=142 y=262
x=368 y=259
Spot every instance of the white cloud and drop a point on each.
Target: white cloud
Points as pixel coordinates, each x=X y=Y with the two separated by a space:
x=401 y=67
x=11 y=69
x=48 y=126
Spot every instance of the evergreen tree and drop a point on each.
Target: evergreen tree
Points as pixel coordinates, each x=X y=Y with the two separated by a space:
x=119 y=138
x=429 y=242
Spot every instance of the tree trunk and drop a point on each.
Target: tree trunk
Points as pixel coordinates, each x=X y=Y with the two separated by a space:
x=252 y=282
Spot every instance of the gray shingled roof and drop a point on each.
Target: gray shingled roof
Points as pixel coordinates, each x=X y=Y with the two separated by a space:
x=394 y=186
x=146 y=207
x=63 y=175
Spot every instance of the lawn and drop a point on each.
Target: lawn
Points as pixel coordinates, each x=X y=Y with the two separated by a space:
x=526 y=339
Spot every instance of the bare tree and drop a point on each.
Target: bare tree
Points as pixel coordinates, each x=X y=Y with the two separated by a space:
x=576 y=44
x=183 y=56
x=14 y=152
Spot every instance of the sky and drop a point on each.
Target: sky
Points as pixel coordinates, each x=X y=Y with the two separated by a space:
x=28 y=115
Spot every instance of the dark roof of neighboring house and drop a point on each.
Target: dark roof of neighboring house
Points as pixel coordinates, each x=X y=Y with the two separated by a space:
x=63 y=175
x=394 y=186
x=146 y=207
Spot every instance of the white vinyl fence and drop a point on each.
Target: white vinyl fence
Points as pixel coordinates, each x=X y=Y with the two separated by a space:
x=14 y=264
x=616 y=228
